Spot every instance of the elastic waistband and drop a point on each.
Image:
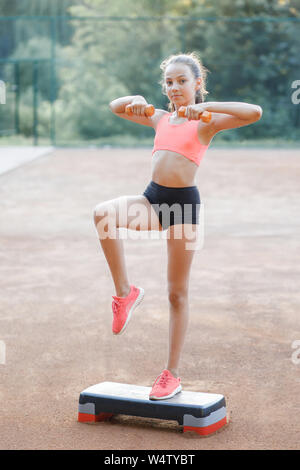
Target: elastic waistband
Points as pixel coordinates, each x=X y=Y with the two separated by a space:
x=172 y=187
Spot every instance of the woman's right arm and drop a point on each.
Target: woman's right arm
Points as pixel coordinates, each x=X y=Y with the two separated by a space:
x=118 y=106
x=138 y=107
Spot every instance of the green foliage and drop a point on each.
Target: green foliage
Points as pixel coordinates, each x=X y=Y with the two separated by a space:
x=35 y=48
x=100 y=60
x=35 y=7
x=82 y=105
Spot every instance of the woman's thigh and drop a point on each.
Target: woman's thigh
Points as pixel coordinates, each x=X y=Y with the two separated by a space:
x=131 y=212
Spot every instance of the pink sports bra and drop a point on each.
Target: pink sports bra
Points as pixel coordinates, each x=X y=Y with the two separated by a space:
x=179 y=138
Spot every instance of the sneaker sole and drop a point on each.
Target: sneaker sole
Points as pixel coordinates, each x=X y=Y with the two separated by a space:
x=136 y=303
x=178 y=389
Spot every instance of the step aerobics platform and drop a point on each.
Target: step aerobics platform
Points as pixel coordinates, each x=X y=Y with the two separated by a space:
x=203 y=413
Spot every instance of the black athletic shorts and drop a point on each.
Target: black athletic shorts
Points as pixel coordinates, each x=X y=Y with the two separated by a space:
x=174 y=205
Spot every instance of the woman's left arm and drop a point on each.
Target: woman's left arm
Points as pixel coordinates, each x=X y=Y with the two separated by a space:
x=231 y=114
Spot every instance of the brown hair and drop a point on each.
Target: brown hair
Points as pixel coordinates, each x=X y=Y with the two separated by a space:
x=199 y=71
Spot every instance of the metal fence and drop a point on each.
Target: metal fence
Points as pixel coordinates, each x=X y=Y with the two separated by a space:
x=60 y=72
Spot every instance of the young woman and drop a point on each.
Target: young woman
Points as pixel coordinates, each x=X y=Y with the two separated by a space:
x=179 y=146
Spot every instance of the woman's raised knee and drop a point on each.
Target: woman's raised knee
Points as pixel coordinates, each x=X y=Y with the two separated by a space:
x=97 y=214
x=103 y=210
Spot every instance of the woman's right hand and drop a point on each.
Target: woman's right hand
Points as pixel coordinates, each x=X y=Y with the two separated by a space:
x=137 y=106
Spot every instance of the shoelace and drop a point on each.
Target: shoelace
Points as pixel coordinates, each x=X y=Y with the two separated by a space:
x=163 y=379
x=116 y=307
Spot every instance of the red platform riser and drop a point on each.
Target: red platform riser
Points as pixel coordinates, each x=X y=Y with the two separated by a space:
x=205 y=431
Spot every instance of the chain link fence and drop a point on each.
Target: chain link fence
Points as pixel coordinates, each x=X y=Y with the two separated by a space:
x=61 y=72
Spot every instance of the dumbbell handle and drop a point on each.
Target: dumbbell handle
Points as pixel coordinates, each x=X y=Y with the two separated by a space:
x=205 y=116
x=149 y=110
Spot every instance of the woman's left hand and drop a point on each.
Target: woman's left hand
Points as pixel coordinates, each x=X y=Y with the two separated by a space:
x=194 y=111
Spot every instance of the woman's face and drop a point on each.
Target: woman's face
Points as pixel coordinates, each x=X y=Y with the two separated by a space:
x=181 y=86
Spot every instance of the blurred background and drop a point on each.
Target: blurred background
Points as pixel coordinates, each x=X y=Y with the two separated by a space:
x=63 y=61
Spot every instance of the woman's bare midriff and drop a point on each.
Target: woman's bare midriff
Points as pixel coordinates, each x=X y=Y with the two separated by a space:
x=172 y=169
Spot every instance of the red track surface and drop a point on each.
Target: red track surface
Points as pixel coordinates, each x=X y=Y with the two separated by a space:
x=55 y=303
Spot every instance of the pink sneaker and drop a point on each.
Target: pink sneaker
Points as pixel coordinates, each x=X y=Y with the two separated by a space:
x=165 y=386
x=123 y=307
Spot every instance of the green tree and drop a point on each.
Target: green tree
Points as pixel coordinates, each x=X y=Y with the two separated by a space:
x=101 y=59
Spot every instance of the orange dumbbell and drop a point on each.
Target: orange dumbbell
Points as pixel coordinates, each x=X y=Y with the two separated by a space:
x=149 y=110
x=205 y=116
